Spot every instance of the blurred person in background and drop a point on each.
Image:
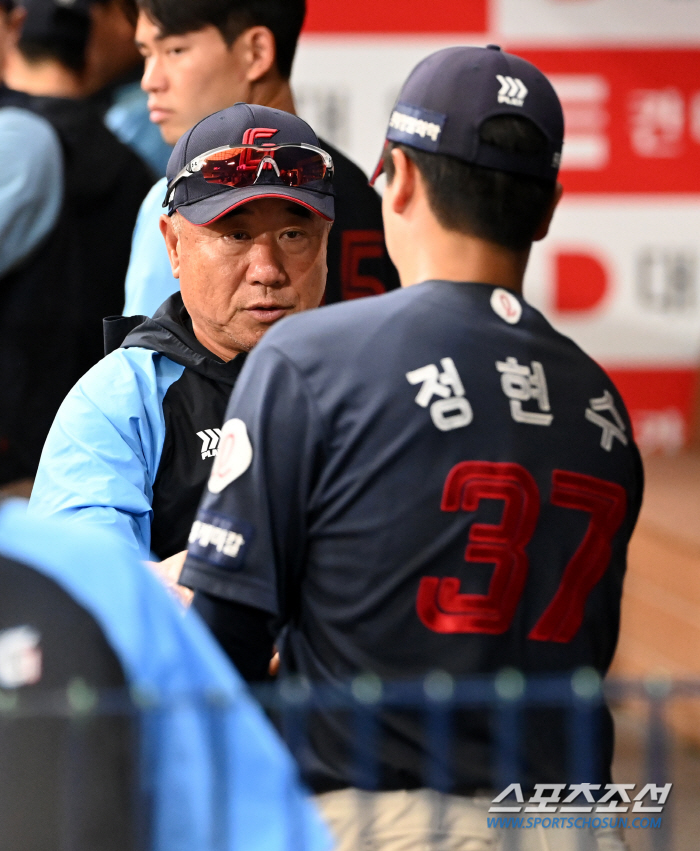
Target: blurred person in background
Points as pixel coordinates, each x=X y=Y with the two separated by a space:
x=31 y=196
x=98 y=60
x=130 y=730
x=31 y=182
x=204 y=55
x=113 y=81
x=49 y=56
x=59 y=292
x=133 y=442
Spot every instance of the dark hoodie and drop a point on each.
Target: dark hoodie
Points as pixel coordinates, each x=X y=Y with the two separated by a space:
x=51 y=307
x=193 y=408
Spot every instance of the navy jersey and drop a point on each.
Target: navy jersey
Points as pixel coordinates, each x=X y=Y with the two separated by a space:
x=435 y=478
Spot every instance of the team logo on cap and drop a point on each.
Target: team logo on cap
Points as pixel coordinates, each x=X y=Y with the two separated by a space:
x=513 y=91
x=252 y=134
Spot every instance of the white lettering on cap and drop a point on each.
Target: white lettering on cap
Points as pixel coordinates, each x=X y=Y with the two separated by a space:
x=506 y=305
x=234 y=456
x=414 y=126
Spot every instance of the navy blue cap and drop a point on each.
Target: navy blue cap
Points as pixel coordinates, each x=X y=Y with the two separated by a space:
x=202 y=203
x=450 y=94
x=55 y=23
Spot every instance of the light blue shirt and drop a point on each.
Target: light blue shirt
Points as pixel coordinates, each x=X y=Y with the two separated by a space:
x=128 y=119
x=149 y=278
x=31 y=184
x=214 y=770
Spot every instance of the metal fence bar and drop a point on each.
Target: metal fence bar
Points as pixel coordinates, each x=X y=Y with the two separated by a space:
x=436 y=699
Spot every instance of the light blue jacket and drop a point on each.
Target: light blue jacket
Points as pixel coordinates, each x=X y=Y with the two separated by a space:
x=219 y=781
x=149 y=278
x=101 y=457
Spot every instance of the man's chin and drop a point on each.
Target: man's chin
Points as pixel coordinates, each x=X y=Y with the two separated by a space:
x=169 y=129
x=170 y=135
x=248 y=339
x=244 y=341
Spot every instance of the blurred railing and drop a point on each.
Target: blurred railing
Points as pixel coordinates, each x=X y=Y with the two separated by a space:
x=292 y=702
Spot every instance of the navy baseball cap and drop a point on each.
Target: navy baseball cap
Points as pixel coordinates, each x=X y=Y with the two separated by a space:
x=451 y=93
x=241 y=124
x=57 y=24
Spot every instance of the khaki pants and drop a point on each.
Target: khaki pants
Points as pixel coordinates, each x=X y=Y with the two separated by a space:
x=424 y=820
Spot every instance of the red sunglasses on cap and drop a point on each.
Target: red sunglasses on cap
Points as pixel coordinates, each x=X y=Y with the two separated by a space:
x=241 y=166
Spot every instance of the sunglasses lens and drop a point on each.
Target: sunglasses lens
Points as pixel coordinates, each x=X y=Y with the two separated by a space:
x=230 y=168
x=299 y=166
x=240 y=167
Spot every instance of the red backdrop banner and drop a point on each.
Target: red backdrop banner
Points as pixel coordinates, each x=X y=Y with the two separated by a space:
x=409 y=16
x=632 y=117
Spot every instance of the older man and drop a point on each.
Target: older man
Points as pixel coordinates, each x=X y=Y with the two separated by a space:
x=204 y=55
x=246 y=234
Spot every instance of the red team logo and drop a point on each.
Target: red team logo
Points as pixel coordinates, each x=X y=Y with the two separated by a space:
x=253 y=136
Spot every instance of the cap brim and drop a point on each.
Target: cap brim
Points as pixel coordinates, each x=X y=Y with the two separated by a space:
x=208 y=210
x=378 y=171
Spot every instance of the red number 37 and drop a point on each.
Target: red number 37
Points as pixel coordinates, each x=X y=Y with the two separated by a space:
x=441 y=606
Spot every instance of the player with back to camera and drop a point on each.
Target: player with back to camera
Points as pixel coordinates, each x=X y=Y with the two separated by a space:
x=368 y=444
x=205 y=55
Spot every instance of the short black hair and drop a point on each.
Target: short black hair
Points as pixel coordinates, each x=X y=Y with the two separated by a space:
x=284 y=19
x=59 y=34
x=493 y=205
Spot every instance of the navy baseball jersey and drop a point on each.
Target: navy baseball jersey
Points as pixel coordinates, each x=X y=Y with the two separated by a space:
x=434 y=478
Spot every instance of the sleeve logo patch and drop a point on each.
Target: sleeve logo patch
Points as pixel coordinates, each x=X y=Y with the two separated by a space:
x=234 y=456
x=219 y=540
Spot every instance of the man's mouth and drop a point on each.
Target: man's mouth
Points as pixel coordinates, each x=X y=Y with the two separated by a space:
x=268 y=313
x=158 y=114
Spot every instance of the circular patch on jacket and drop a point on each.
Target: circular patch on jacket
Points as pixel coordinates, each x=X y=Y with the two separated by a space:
x=234 y=456
x=506 y=305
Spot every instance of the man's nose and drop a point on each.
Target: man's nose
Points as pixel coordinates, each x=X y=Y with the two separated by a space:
x=265 y=265
x=153 y=79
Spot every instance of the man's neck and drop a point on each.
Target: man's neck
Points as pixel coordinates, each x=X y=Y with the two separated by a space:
x=274 y=92
x=221 y=348
x=43 y=78
x=450 y=256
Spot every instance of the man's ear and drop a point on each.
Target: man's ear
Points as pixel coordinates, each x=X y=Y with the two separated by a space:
x=170 y=231
x=259 y=51
x=543 y=229
x=15 y=22
x=403 y=184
